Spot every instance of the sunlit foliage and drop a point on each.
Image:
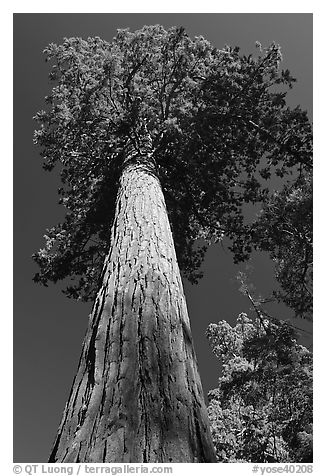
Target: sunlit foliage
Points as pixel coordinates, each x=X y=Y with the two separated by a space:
x=261 y=410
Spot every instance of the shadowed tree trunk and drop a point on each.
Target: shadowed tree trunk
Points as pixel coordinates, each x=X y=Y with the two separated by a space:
x=137 y=395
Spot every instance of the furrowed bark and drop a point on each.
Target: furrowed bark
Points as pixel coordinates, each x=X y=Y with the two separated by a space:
x=137 y=395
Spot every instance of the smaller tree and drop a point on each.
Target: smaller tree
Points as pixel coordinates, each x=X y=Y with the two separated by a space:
x=261 y=410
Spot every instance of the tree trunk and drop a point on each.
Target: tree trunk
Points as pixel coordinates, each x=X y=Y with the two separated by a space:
x=137 y=395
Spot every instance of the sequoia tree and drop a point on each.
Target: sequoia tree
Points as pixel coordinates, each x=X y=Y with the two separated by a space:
x=156 y=135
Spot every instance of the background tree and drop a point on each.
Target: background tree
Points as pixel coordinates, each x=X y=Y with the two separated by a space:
x=152 y=109
x=261 y=410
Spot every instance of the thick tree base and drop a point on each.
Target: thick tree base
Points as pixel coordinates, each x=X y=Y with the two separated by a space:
x=137 y=395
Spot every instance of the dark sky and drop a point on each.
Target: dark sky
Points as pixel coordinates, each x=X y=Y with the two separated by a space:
x=48 y=327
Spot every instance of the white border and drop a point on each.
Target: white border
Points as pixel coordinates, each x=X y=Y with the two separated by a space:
x=168 y=6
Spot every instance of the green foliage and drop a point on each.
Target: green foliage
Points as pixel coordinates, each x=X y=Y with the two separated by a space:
x=261 y=410
x=219 y=125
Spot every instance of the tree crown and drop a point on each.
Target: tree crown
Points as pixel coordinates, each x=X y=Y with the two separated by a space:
x=219 y=126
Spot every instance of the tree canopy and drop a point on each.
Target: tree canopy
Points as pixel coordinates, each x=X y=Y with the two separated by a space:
x=220 y=129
